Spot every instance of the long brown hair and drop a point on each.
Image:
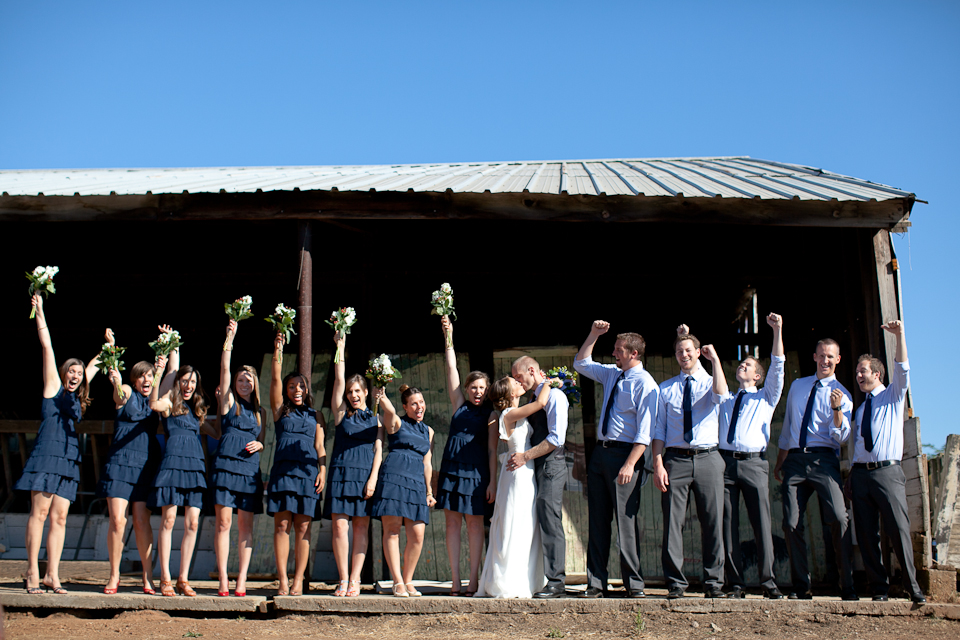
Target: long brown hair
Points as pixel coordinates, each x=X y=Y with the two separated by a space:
x=255 y=396
x=83 y=389
x=197 y=402
x=288 y=405
x=501 y=394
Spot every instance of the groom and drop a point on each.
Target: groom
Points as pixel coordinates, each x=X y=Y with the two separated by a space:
x=549 y=428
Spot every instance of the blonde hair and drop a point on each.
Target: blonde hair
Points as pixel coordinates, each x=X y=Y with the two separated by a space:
x=255 y=396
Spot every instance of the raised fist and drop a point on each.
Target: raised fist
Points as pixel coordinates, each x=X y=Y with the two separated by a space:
x=600 y=327
x=683 y=330
x=775 y=320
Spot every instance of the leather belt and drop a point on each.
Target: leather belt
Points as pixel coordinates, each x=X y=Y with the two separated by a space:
x=814 y=450
x=614 y=444
x=690 y=452
x=870 y=466
x=741 y=455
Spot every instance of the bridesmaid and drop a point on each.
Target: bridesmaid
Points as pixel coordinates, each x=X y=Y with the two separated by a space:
x=468 y=473
x=131 y=467
x=52 y=473
x=403 y=496
x=357 y=452
x=298 y=473
x=180 y=481
x=236 y=475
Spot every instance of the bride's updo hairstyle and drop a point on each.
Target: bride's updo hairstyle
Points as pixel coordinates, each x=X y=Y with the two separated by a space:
x=500 y=393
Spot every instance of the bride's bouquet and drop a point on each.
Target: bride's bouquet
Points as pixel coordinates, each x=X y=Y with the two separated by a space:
x=341 y=320
x=381 y=372
x=567 y=383
x=442 y=301
x=109 y=358
x=41 y=281
x=165 y=344
x=282 y=320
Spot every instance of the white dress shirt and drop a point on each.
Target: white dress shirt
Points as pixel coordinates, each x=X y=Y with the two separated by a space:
x=821 y=432
x=634 y=410
x=705 y=411
x=557 y=410
x=887 y=422
x=756 y=411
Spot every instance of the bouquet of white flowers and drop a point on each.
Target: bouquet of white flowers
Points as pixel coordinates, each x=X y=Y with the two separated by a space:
x=282 y=320
x=567 y=384
x=109 y=358
x=41 y=281
x=381 y=372
x=341 y=320
x=442 y=301
x=238 y=310
x=165 y=344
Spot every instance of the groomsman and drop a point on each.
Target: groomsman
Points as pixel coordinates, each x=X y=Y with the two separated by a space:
x=744 y=434
x=614 y=475
x=685 y=458
x=877 y=478
x=816 y=423
x=548 y=432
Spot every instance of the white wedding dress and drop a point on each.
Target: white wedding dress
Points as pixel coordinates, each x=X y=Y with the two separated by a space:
x=514 y=564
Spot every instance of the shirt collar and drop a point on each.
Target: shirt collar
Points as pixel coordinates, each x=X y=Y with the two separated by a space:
x=824 y=381
x=877 y=390
x=633 y=371
x=699 y=373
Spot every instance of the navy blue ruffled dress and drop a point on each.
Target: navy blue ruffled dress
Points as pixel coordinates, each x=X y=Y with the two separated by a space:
x=180 y=480
x=54 y=463
x=465 y=469
x=236 y=472
x=402 y=488
x=294 y=474
x=134 y=454
x=350 y=465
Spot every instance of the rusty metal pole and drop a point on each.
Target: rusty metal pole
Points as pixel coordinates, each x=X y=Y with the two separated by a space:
x=305 y=300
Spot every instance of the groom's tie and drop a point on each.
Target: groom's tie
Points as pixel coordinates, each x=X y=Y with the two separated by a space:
x=606 y=411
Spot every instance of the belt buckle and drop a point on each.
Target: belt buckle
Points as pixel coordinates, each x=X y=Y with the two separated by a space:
x=873 y=465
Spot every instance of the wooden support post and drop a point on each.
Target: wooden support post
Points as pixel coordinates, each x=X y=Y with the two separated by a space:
x=7 y=461
x=918 y=490
x=305 y=301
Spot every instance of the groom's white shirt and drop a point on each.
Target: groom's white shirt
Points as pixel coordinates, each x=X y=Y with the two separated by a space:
x=557 y=409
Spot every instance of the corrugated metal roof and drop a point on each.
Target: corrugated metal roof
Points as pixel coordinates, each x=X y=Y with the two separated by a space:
x=727 y=177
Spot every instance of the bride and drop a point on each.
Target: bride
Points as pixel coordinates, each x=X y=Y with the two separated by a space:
x=514 y=564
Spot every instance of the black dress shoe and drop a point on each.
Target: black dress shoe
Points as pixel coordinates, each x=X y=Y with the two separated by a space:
x=773 y=594
x=676 y=592
x=636 y=593
x=794 y=595
x=714 y=593
x=737 y=592
x=550 y=592
x=918 y=598
x=880 y=597
x=592 y=592
x=850 y=596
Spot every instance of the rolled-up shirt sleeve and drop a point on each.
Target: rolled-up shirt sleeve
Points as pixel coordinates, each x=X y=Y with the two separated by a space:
x=660 y=419
x=773 y=386
x=647 y=408
x=557 y=411
x=841 y=433
x=593 y=370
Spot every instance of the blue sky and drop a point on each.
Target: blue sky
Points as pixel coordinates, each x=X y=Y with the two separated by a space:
x=868 y=89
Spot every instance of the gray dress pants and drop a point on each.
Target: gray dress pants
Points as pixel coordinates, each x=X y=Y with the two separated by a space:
x=880 y=495
x=804 y=474
x=551 y=474
x=751 y=479
x=606 y=501
x=703 y=474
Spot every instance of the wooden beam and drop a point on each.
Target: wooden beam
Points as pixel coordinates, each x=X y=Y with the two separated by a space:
x=333 y=205
x=305 y=301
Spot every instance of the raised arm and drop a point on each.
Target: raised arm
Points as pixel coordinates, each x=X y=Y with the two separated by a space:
x=450 y=365
x=225 y=400
x=276 y=378
x=598 y=328
x=776 y=323
x=51 y=377
x=165 y=380
x=527 y=410
x=719 y=380
x=896 y=328
x=93 y=366
x=160 y=404
x=391 y=421
x=339 y=380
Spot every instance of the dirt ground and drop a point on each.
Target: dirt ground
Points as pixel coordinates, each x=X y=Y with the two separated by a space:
x=672 y=625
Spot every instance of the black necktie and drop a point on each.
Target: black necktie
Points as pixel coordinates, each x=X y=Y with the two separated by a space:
x=687 y=412
x=607 y=410
x=735 y=417
x=866 y=426
x=808 y=414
